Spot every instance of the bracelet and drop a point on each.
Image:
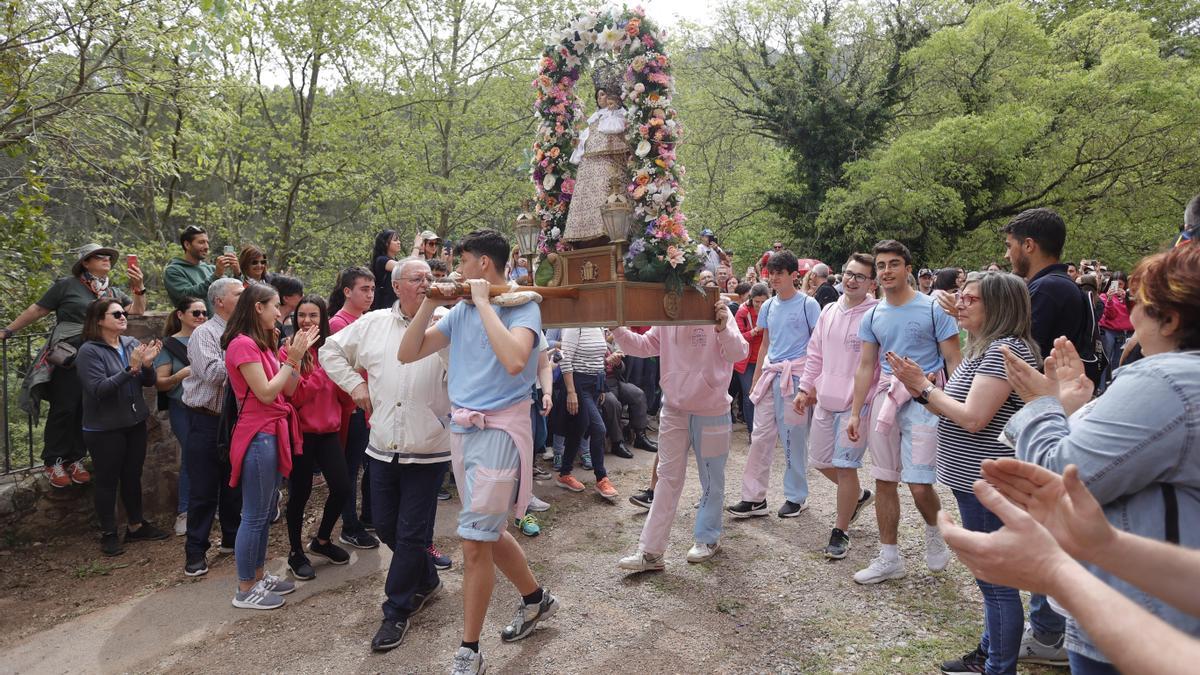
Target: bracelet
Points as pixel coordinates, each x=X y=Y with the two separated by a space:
x=141 y=291
x=293 y=366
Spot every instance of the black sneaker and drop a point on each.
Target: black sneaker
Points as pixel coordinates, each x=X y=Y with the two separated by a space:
x=389 y=636
x=196 y=566
x=528 y=616
x=792 y=509
x=744 y=509
x=361 y=539
x=367 y=524
x=332 y=552
x=226 y=546
x=643 y=499
x=968 y=663
x=110 y=544
x=839 y=544
x=146 y=532
x=301 y=567
x=421 y=598
x=864 y=501
x=443 y=495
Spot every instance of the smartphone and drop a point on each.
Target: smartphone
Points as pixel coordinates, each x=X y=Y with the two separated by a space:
x=131 y=260
x=229 y=250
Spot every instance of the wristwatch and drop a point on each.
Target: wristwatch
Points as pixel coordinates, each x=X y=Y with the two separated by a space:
x=923 y=399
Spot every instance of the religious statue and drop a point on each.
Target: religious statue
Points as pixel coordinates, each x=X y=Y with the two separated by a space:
x=601 y=155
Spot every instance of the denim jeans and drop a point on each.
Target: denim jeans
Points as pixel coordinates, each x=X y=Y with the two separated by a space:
x=178 y=414
x=1048 y=625
x=260 y=481
x=357 y=436
x=588 y=422
x=405 y=497
x=1082 y=665
x=1003 y=615
x=208 y=487
x=747 y=405
x=539 y=422
x=1114 y=342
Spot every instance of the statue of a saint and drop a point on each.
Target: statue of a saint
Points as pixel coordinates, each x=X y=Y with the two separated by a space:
x=601 y=155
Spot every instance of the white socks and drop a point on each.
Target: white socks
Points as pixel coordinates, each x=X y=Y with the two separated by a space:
x=889 y=551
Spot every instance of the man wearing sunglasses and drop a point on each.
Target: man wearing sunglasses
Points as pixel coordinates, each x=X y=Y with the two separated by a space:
x=189 y=275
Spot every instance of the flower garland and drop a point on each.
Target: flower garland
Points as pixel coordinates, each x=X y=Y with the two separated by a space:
x=663 y=251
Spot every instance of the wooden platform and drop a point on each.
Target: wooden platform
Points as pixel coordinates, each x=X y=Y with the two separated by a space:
x=606 y=299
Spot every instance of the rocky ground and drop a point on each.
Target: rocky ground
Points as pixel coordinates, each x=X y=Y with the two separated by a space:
x=769 y=602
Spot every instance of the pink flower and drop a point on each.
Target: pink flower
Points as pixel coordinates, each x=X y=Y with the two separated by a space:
x=568 y=186
x=674 y=256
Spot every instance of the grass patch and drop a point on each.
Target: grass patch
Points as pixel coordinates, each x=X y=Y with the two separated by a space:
x=730 y=606
x=96 y=568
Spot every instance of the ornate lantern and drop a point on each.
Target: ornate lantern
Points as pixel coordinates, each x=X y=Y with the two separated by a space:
x=526 y=229
x=616 y=212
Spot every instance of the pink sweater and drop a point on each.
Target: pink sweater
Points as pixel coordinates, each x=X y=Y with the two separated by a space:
x=1116 y=314
x=833 y=355
x=695 y=363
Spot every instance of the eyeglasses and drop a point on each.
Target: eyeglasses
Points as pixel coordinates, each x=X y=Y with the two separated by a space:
x=119 y=314
x=260 y=261
x=197 y=313
x=417 y=280
x=965 y=299
x=99 y=256
x=855 y=276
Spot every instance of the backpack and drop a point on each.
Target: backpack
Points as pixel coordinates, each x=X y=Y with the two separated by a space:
x=1091 y=351
x=229 y=419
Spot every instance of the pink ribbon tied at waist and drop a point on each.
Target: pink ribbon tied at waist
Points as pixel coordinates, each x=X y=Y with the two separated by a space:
x=770 y=371
x=514 y=421
x=897 y=396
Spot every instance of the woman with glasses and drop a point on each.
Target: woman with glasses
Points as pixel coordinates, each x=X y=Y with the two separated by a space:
x=52 y=376
x=112 y=369
x=253 y=263
x=977 y=402
x=172 y=367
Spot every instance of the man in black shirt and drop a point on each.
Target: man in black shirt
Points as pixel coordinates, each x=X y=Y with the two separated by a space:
x=826 y=293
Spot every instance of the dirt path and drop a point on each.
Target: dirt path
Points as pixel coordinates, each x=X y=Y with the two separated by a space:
x=768 y=603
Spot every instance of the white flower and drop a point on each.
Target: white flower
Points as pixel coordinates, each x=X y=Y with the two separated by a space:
x=670 y=124
x=643 y=149
x=548 y=181
x=571 y=61
x=639 y=87
x=555 y=232
x=610 y=38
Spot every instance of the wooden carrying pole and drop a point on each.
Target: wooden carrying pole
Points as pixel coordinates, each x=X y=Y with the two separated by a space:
x=448 y=291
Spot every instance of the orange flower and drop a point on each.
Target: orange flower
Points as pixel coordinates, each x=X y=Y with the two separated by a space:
x=633 y=27
x=642 y=179
x=550 y=202
x=538 y=157
x=554 y=152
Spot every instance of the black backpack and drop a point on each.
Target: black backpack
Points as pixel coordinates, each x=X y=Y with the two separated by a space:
x=229 y=419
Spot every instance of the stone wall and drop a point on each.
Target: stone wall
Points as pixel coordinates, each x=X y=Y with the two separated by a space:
x=31 y=509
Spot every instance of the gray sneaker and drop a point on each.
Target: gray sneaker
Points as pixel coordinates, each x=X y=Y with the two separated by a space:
x=258 y=597
x=528 y=617
x=1033 y=651
x=467 y=662
x=277 y=585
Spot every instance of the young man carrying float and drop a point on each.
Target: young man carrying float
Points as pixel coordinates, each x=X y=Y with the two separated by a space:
x=787 y=321
x=493 y=365
x=828 y=386
x=696 y=363
x=901 y=433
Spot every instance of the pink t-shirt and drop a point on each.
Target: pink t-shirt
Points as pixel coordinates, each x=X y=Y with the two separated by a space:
x=242 y=349
x=277 y=418
x=341 y=320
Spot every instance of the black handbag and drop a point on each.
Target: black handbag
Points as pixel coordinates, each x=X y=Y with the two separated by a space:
x=62 y=355
x=229 y=419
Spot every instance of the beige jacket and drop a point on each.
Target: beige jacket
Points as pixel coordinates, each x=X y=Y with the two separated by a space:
x=411 y=408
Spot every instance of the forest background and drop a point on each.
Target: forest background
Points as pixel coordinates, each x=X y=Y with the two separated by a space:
x=306 y=126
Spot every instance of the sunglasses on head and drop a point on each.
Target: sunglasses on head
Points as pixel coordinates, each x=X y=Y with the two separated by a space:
x=119 y=314
x=193 y=229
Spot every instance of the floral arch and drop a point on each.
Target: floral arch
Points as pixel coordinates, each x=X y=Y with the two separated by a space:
x=663 y=250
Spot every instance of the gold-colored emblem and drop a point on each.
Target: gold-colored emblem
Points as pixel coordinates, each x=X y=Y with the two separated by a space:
x=671 y=303
x=588 y=271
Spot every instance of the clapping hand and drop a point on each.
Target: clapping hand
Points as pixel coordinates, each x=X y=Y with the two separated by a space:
x=947 y=303
x=144 y=354
x=1066 y=368
x=302 y=340
x=1025 y=380
x=1062 y=504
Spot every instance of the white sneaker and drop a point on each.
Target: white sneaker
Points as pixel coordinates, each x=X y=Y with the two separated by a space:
x=937 y=554
x=1033 y=651
x=181 y=524
x=643 y=562
x=467 y=662
x=548 y=453
x=537 y=505
x=699 y=552
x=880 y=569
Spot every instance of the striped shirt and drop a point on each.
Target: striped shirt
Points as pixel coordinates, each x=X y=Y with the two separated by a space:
x=960 y=453
x=205 y=387
x=583 y=350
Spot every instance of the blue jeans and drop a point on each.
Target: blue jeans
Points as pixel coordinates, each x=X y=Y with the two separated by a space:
x=1083 y=665
x=539 y=422
x=1048 y=625
x=747 y=405
x=358 y=434
x=1114 y=343
x=178 y=414
x=589 y=421
x=405 y=503
x=1003 y=615
x=259 y=481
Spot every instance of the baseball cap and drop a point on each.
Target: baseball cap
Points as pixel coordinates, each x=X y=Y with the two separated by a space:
x=430 y=235
x=925 y=272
